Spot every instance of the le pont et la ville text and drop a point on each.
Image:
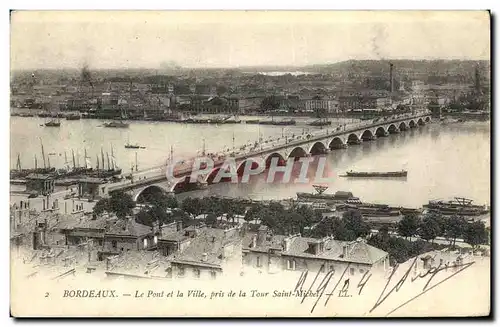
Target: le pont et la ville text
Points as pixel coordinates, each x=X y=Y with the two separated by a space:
x=188 y=293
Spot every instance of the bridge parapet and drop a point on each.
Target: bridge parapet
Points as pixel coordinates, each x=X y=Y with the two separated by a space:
x=328 y=138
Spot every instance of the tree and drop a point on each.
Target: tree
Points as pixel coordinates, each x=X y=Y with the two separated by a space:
x=476 y=234
x=253 y=213
x=101 y=206
x=341 y=232
x=429 y=228
x=408 y=226
x=210 y=219
x=119 y=203
x=354 y=222
x=454 y=228
x=192 y=206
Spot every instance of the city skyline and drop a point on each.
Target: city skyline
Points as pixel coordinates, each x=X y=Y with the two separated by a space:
x=231 y=39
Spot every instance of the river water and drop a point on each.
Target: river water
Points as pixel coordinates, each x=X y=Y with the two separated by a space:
x=443 y=161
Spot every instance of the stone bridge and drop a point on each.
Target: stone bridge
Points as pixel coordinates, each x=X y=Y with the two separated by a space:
x=295 y=146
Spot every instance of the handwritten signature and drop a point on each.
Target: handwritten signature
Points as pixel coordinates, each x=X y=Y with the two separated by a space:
x=343 y=292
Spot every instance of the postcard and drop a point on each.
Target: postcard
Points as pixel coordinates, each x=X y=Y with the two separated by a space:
x=250 y=164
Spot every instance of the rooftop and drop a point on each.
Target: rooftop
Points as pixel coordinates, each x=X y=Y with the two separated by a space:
x=357 y=251
x=127 y=227
x=208 y=248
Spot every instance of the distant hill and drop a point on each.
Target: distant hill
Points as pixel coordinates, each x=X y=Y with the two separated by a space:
x=381 y=67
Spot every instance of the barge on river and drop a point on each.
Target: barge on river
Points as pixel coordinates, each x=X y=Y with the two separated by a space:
x=402 y=173
x=458 y=206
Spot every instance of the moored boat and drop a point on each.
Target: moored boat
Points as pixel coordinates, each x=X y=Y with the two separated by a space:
x=116 y=124
x=402 y=173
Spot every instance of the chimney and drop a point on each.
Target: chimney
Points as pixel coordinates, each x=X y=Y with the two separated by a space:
x=204 y=257
x=286 y=244
x=261 y=235
x=179 y=225
x=391 y=77
x=156 y=227
x=254 y=241
x=344 y=251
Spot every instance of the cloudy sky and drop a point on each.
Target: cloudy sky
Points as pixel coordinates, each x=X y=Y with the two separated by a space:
x=228 y=39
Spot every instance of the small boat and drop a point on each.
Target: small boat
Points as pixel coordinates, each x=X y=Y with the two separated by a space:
x=252 y=121
x=73 y=117
x=133 y=146
x=320 y=123
x=116 y=124
x=53 y=123
x=402 y=173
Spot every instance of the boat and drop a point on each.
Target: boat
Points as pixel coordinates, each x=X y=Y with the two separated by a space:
x=252 y=121
x=320 y=195
x=320 y=123
x=73 y=117
x=278 y=123
x=402 y=173
x=116 y=124
x=53 y=123
x=133 y=146
x=458 y=206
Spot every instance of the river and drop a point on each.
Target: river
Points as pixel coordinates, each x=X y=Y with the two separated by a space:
x=443 y=161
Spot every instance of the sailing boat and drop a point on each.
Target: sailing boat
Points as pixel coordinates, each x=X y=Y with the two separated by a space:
x=120 y=123
x=133 y=146
x=54 y=122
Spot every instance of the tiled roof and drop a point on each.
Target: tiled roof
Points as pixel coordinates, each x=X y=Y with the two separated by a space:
x=357 y=251
x=271 y=242
x=211 y=242
x=141 y=263
x=127 y=227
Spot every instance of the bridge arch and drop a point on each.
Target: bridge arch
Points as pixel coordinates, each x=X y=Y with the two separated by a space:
x=420 y=121
x=367 y=135
x=297 y=152
x=380 y=131
x=281 y=160
x=146 y=194
x=241 y=166
x=336 y=143
x=392 y=129
x=412 y=124
x=353 y=138
x=403 y=126
x=427 y=119
x=318 y=148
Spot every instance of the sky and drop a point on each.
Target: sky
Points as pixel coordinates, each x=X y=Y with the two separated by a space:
x=146 y=39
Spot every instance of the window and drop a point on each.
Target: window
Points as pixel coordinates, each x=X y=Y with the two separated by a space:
x=322 y=269
x=213 y=274
x=351 y=271
x=196 y=272
x=259 y=262
x=99 y=242
x=181 y=272
x=145 y=243
x=332 y=268
x=290 y=264
x=113 y=244
x=169 y=272
x=361 y=271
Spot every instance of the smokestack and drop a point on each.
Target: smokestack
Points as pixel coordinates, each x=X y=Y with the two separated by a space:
x=391 y=78
x=477 y=80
